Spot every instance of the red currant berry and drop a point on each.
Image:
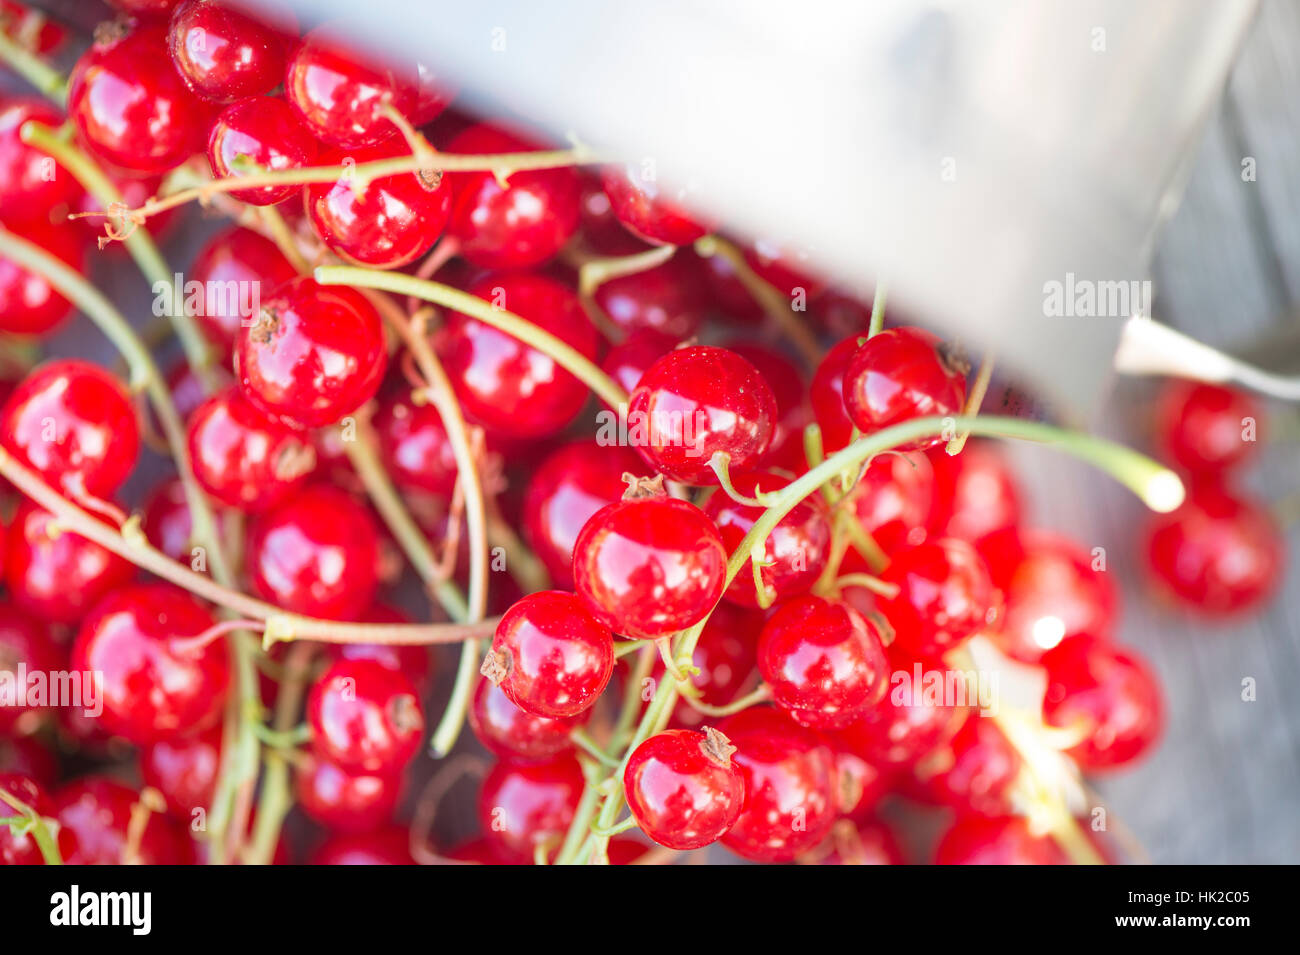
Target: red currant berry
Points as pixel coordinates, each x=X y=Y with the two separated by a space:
x=414 y=443
x=892 y=499
x=789 y=776
x=390 y=223
x=184 y=770
x=503 y=384
x=153 y=687
x=32 y=185
x=869 y=842
x=628 y=361
x=98 y=812
x=222 y=54
x=795 y=552
x=55 y=574
x=921 y=712
x=1050 y=591
x=131 y=106
x=26 y=646
x=975 y=494
x=75 y=425
x=1110 y=696
x=824 y=662
x=730 y=294
x=683 y=789
x=388 y=846
x=523 y=806
x=1006 y=840
x=315 y=353
x=975 y=773
x=231 y=261
x=412 y=661
x=25 y=24
x=695 y=402
x=316 y=554
x=650 y=566
x=244 y=459
x=517 y=225
x=29 y=304
x=785 y=268
x=788 y=385
x=135 y=191
x=725 y=656
x=900 y=374
x=22 y=849
x=944 y=597
x=648 y=209
x=365 y=717
x=550 y=655
x=1206 y=427
x=671 y=298
x=1219 y=554
x=601 y=229
x=266 y=132
x=511 y=731
x=826 y=395
x=167 y=524
x=860 y=785
x=344 y=801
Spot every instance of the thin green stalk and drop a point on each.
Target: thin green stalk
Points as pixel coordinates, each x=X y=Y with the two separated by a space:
x=40 y=829
x=877 y=310
x=34 y=70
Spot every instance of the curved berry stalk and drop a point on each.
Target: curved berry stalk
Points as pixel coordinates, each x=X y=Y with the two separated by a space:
x=34 y=70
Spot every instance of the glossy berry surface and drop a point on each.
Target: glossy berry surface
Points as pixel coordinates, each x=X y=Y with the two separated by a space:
x=696 y=402
x=265 y=132
x=649 y=566
x=74 y=424
x=253 y=264
x=789 y=388
x=1108 y=695
x=342 y=800
x=517 y=225
x=509 y=387
x=550 y=655
x=974 y=773
x=900 y=374
x=869 y=842
x=97 y=811
x=390 y=223
x=387 y=846
x=826 y=395
x=244 y=459
x=975 y=493
x=572 y=484
x=627 y=361
x=511 y=731
x=915 y=717
x=314 y=354
x=315 y=554
x=824 y=662
x=222 y=54
x=1006 y=840
x=1219 y=554
x=131 y=106
x=414 y=443
x=413 y=661
x=893 y=498
x=945 y=597
x=524 y=805
x=54 y=573
x=671 y=299
x=649 y=208
x=1207 y=427
x=184 y=770
x=789 y=776
x=365 y=717
x=32 y=186
x=153 y=686
x=683 y=789
x=725 y=656
x=29 y=302
x=786 y=267
x=796 y=550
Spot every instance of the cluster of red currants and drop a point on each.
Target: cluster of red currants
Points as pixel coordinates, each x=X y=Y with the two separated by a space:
x=776 y=638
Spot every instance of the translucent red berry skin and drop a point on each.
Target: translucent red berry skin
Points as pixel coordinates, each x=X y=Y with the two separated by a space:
x=152 y=688
x=511 y=731
x=522 y=805
x=797 y=548
x=671 y=299
x=725 y=655
x=340 y=96
x=1220 y=554
x=389 y=224
x=1206 y=427
x=388 y=846
x=266 y=131
x=571 y=485
x=132 y=107
x=1050 y=592
x=784 y=266
x=25 y=642
x=414 y=443
x=503 y=384
x=53 y=573
x=251 y=262
x=627 y=361
x=824 y=662
x=342 y=800
x=365 y=717
x=243 y=458
x=222 y=54
x=789 y=388
x=695 y=402
x=23 y=849
x=975 y=773
x=826 y=395
x=650 y=566
x=29 y=303
x=315 y=354
x=911 y=721
x=893 y=498
x=97 y=812
x=32 y=186
x=414 y=662
x=184 y=770
x=681 y=794
x=945 y=597
x=74 y=424
x=871 y=843
x=516 y=226
x=789 y=775
x=1006 y=840
x=900 y=374
x=975 y=493
x=1110 y=693
x=557 y=657
x=650 y=210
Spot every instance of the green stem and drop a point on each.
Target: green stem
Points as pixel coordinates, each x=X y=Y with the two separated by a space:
x=594 y=273
x=624 y=826
x=582 y=739
x=760 y=694
x=877 y=310
x=40 y=829
x=34 y=70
